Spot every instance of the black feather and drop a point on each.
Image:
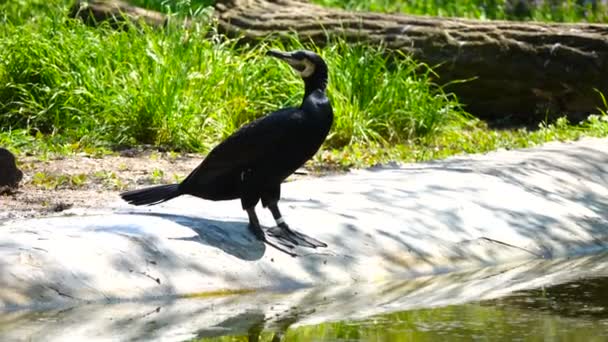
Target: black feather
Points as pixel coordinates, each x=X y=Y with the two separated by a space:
x=252 y=163
x=152 y=195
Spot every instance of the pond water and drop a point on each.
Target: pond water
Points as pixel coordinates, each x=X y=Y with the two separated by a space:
x=574 y=311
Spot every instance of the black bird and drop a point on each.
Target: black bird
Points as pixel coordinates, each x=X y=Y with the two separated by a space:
x=252 y=163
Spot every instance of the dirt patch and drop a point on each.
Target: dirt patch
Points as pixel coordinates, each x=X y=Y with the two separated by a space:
x=49 y=187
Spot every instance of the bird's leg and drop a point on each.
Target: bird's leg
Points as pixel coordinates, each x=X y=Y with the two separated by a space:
x=254 y=224
x=285 y=232
x=256 y=229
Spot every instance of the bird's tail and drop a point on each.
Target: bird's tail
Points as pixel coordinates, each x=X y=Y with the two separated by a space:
x=152 y=195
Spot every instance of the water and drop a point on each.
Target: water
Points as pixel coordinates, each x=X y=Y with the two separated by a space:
x=533 y=300
x=574 y=311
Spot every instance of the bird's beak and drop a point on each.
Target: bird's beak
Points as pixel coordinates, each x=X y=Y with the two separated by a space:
x=279 y=54
x=298 y=65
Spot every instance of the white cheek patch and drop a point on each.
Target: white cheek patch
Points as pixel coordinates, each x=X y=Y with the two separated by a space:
x=309 y=68
x=304 y=67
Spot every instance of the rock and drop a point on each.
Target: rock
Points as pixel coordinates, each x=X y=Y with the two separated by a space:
x=10 y=175
x=240 y=314
x=387 y=223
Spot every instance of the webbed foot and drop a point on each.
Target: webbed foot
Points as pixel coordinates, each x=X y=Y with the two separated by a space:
x=284 y=246
x=283 y=232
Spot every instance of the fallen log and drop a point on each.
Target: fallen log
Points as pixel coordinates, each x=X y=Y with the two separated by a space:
x=518 y=68
x=521 y=71
x=116 y=13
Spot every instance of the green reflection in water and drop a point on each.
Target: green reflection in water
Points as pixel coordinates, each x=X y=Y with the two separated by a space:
x=576 y=311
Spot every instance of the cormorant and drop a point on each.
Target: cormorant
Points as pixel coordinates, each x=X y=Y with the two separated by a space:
x=252 y=163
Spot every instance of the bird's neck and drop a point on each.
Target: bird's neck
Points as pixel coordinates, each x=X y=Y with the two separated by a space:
x=317 y=81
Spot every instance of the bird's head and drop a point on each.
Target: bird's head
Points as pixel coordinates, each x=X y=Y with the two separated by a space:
x=309 y=65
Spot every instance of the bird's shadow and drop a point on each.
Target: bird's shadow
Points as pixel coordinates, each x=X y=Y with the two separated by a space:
x=232 y=237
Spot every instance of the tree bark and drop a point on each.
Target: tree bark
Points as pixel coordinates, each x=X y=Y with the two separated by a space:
x=518 y=71
x=115 y=12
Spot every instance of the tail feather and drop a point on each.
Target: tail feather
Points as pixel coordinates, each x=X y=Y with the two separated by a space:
x=152 y=195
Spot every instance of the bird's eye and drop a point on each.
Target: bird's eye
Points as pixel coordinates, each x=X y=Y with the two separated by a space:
x=299 y=66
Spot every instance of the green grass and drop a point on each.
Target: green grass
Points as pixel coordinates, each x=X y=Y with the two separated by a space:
x=66 y=87
x=49 y=182
x=179 y=7
x=476 y=138
x=103 y=87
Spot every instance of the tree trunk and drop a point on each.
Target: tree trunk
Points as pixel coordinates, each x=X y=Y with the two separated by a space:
x=519 y=71
x=519 y=68
x=116 y=13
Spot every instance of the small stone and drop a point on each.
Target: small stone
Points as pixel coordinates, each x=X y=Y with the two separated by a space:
x=10 y=175
x=61 y=206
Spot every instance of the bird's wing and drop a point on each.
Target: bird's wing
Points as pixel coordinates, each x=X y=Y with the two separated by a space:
x=249 y=143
